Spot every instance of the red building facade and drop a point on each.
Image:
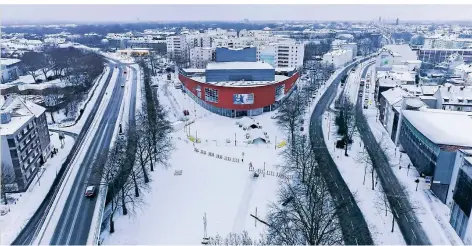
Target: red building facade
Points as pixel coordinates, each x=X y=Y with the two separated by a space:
x=264 y=95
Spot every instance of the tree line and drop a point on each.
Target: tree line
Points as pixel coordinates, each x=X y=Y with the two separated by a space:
x=76 y=66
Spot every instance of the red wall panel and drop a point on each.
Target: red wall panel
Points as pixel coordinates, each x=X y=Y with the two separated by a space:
x=263 y=95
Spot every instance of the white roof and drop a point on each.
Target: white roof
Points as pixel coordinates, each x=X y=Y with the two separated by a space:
x=394 y=95
x=238 y=65
x=240 y=83
x=442 y=127
x=402 y=50
x=7 y=61
x=194 y=70
x=455 y=93
x=21 y=112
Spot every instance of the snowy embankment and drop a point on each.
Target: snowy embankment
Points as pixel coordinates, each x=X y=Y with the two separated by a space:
x=54 y=214
x=355 y=172
x=23 y=205
x=77 y=127
x=433 y=214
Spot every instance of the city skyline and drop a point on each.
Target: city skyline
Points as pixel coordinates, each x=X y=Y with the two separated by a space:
x=19 y=14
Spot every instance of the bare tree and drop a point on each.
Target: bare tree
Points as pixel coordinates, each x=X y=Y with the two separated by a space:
x=7 y=179
x=105 y=172
x=143 y=155
x=289 y=115
x=32 y=63
x=384 y=200
x=232 y=238
x=364 y=158
x=346 y=121
x=304 y=214
x=300 y=157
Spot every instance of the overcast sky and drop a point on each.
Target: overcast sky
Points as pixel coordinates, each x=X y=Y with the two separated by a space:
x=131 y=13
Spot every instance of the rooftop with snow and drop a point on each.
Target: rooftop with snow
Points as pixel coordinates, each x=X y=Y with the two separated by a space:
x=442 y=127
x=15 y=112
x=238 y=65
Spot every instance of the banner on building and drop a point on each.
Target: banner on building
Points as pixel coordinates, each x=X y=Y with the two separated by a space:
x=243 y=98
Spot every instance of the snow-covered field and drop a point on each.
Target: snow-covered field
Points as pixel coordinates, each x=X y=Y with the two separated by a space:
x=433 y=214
x=23 y=205
x=223 y=188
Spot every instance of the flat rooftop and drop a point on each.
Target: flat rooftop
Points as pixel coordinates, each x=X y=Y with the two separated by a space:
x=278 y=78
x=8 y=61
x=16 y=123
x=442 y=127
x=238 y=65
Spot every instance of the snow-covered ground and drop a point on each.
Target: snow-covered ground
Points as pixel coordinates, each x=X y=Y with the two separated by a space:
x=433 y=214
x=223 y=188
x=354 y=171
x=26 y=82
x=23 y=205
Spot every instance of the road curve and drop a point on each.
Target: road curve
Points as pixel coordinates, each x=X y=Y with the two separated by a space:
x=353 y=225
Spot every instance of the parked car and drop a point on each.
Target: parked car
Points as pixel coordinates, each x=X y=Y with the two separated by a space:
x=366 y=106
x=90 y=191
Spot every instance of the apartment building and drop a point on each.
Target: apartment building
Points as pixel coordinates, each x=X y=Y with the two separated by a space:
x=175 y=44
x=25 y=141
x=290 y=53
x=200 y=56
x=454 y=97
x=338 y=57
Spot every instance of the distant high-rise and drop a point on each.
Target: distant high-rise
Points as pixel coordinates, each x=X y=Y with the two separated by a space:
x=396 y=22
x=380 y=19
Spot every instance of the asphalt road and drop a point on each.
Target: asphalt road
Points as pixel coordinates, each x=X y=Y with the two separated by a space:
x=31 y=229
x=353 y=225
x=76 y=218
x=410 y=227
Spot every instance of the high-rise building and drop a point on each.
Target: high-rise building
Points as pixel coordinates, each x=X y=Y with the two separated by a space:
x=396 y=22
x=24 y=140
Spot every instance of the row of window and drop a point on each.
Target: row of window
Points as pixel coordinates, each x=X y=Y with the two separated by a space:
x=211 y=95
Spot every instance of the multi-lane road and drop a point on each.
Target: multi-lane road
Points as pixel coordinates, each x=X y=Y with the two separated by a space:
x=75 y=220
x=405 y=216
x=353 y=225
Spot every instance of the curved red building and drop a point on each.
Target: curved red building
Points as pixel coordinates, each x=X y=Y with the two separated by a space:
x=236 y=89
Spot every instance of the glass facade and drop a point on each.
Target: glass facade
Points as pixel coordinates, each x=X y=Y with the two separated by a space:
x=434 y=56
x=422 y=152
x=211 y=95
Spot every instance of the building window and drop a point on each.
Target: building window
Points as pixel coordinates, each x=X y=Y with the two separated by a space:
x=211 y=95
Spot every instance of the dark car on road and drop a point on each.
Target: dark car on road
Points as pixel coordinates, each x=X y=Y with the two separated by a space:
x=90 y=191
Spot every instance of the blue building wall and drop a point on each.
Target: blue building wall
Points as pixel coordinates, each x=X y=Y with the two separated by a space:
x=248 y=54
x=240 y=74
x=428 y=158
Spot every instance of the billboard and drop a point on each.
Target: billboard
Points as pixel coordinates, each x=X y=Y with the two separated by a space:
x=243 y=98
x=384 y=60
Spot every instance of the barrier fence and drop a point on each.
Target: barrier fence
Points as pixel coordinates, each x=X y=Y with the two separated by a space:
x=238 y=160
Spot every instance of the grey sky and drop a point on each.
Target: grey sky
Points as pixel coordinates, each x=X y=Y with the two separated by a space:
x=131 y=13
